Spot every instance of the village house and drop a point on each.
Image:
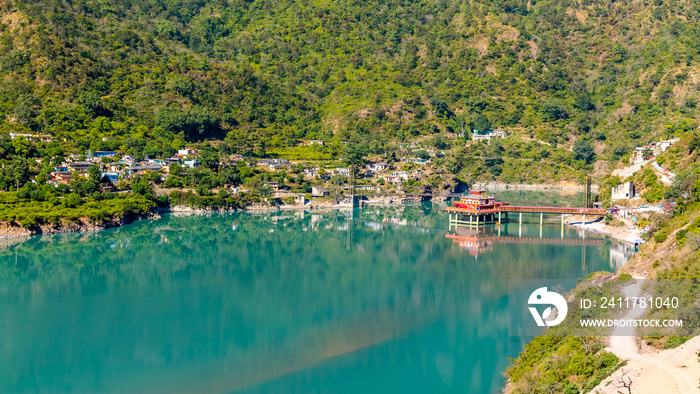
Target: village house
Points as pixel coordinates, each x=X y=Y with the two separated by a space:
x=415 y=160
x=343 y=171
x=392 y=178
x=273 y=184
x=314 y=142
x=79 y=166
x=133 y=170
x=487 y=135
x=191 y=163
x=312 y=172
x=62 y=176
x=652 y=150
x=187 y=152
x=400 y=174
x=111 y=176
x=32 y=137
x=319 y=191
x=101 y=153
x=267 y=162
x=364 y=188
x=623 y=191
x=376 y=167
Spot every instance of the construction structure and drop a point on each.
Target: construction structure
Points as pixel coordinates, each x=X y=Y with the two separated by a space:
x=479 y=209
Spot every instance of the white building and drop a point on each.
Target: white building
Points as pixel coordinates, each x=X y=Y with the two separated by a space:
x=485 y=136
x=623 y=191
x=655 y=149
x=319 y=191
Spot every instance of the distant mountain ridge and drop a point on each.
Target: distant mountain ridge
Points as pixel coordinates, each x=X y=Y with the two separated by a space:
x=267 y=74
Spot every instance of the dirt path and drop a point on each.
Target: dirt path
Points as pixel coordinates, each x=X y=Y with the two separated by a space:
x=668 y=371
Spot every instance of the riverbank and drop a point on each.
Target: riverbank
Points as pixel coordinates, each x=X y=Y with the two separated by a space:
x=12 y=230
x=622 y=230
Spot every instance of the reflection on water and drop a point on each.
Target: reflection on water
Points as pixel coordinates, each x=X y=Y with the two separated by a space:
x=371 y=300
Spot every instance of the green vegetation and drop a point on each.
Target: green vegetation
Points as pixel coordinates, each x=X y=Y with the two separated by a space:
x=562 y=364
x=568 y=358
x=71 y=208
x=152 y=76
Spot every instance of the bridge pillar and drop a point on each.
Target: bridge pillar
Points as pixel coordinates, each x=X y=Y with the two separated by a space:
x=562 y=226
x=541 y=216
x=499 y=217
x=521 y=218
x=584 y=220
x=477 y=220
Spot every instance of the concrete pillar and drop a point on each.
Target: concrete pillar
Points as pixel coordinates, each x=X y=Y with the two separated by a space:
x=477 y=220
x=541 y=216
x=499 y=217
x=521 y=218
x=584 y=219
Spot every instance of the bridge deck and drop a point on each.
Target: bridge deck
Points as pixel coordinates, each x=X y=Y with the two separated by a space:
x=523 y=209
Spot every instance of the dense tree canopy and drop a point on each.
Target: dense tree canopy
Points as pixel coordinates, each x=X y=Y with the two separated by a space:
x=156 y=75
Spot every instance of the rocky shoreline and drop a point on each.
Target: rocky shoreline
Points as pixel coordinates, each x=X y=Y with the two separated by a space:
x=12 y=230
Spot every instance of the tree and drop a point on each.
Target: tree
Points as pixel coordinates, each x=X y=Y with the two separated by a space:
x=421 y=154
x=554 y=110
x=20 y=171
x=583 y=150
x=482 y=123
x=354 y=153
x=72 y=200
x=209 y=159
x=142 y=188
x=21 y=146
x=694 y=143
x=94 y=174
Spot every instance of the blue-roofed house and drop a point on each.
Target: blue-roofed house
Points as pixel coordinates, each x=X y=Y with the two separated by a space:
x=111 y=176
x=101 y=153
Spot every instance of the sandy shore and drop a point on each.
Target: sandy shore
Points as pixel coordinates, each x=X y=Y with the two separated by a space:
x=626 y=233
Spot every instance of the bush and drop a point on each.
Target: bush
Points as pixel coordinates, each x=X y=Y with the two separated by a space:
x=72 y=200
x=662 y=234
x=675 y=341
x=571 y=388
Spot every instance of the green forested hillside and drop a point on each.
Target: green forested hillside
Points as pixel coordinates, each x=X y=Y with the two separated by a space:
x=263 y=74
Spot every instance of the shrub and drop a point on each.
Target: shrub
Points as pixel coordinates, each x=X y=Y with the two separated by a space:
x=72 y=200
x=675 y=341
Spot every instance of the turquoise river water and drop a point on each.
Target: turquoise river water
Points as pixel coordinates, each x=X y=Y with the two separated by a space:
x=372 y=301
